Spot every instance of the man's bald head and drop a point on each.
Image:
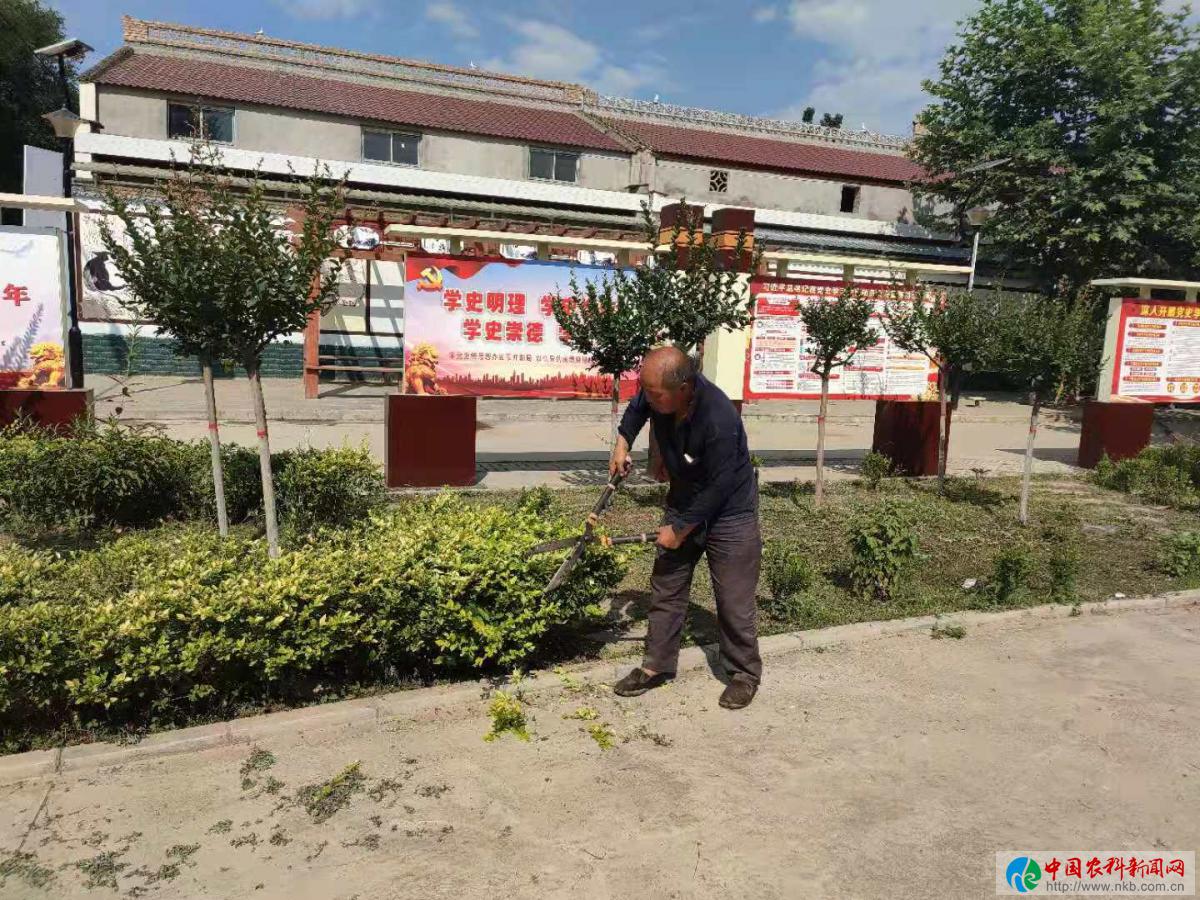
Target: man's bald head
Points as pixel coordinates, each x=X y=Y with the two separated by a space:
x=668 y=367
x=668 y=380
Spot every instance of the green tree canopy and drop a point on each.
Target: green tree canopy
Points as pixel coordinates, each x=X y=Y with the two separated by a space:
x=1090 y=111
x=29 y=85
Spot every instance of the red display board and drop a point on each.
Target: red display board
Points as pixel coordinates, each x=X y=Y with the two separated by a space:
x=779 y=365
x=485 y=327
x=1157 y=358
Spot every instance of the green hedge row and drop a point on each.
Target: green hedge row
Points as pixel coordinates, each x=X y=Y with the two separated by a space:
x=164 y=625
x=110 y=475
x=1168 y=474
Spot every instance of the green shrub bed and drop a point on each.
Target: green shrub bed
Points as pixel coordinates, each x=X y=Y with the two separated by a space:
x=109 y=475
x=165 y=626
x=1169 y=475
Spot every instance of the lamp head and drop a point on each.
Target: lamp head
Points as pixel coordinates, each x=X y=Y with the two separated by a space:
x=978 y=215
x=71 y=48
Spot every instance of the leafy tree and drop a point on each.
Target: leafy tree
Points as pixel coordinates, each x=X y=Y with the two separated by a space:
x=681 y=292
x=166 y=261
x=1089 y=111
x=260 y=281
x=950 y=330
x=29 y=85
x=829 y=120
x=615 y=333
x=689 y=287
x=809 y=112
x=835 y=329
x=1045 y=342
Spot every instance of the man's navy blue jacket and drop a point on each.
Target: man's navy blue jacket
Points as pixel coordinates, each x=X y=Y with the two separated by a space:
x=706 y=455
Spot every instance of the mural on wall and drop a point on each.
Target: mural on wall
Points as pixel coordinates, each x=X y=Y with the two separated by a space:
x=105 y=296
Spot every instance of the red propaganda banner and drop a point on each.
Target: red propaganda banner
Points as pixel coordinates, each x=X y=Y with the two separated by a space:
x=779 y=366
x=1157 y=358
x=486 y=327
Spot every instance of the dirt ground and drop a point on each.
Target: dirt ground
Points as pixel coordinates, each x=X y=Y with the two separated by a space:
x=892 y=768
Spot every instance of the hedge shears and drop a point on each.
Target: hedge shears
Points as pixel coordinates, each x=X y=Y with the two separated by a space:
x=589 y=536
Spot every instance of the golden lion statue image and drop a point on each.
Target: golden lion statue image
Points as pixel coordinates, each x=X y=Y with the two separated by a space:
x=48 y=366
x=420 y=370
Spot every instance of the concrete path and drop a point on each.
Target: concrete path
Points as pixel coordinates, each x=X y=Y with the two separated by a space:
x=524 y=442
x=886 y=768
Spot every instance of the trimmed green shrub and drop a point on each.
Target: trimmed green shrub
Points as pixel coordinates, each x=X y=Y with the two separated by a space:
x=337 y=488
x=788 y=574
x=158 y=627
x=1011 y=570
x=1179 y=554
x=876 y=467
x=538 y=500
x=1169 y=475
x=114 y=475
x=883 y=543
x=91 y=477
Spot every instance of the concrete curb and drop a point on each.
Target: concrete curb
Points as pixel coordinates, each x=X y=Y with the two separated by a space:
x=426 y=702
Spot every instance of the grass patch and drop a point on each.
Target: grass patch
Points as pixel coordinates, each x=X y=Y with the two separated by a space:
x=25 y=867
x=326 y=798
x=102 y=869
x=959 y=537
x=508 y=717
x=602 y=734
x=583 y=714
x=951 y=630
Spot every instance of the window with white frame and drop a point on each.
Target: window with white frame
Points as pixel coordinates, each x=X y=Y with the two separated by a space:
x=400 y=147
x=213 y=123
x=553 y=165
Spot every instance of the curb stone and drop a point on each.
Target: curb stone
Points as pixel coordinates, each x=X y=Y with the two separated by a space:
x=426 y=702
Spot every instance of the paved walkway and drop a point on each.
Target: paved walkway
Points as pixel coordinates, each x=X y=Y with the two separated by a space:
x=890 y=768
x=523 y=442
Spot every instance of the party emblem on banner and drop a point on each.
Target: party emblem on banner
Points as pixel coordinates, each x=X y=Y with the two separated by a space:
x=431 y=279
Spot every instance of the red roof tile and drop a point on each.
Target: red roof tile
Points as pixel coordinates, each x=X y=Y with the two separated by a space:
x=791 y=156
x=247 y=84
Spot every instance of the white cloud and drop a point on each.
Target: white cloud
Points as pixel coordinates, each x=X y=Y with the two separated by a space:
x=551 y=51
x=326 y=9
x=458 y=22
x=766 y=14
x=878 y=51
x=544 y=50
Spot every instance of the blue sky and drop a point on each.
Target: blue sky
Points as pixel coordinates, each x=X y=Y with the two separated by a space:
x=865 y=58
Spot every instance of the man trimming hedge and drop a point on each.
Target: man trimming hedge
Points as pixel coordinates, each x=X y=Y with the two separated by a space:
x=711 y=509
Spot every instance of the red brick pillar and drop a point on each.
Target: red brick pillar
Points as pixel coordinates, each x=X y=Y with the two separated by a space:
x=727 y=226
x=688 y=219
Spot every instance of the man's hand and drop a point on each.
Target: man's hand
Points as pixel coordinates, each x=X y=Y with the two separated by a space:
x=620 y=461
x=670 y=539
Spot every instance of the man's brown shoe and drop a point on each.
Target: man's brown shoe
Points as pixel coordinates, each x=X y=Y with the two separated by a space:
x=738 y=693
x=638 y=682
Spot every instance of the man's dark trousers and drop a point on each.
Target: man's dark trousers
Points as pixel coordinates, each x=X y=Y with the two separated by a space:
x=733 y=545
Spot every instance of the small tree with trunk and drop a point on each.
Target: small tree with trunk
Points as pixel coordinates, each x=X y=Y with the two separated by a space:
x=949 y=329
x=835 y=330
x=235 y=278
x=616 y=333
x=167 y=263
x=1044 y=342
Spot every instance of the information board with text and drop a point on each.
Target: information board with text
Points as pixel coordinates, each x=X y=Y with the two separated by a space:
x=779 y=361
x=1157 y=358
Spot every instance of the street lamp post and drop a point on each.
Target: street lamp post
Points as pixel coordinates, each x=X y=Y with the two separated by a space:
x=976 y=216
x=66 y=123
